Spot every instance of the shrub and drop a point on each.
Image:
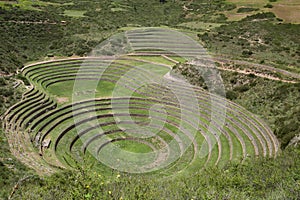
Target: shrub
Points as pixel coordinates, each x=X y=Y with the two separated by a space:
x=2 y=81
x=231 y=95
x=244 y=10
x=22 y=78
x=264 y=15
x=247 y=53
x=268 y=6
x=242 y=88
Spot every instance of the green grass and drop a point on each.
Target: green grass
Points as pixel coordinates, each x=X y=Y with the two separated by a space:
x=155 y=59
x=26 y=4
x=118 y=9
x=178 y=59
x=74 y=13
x=133 y=146
x=117 y=6
x=66 y=89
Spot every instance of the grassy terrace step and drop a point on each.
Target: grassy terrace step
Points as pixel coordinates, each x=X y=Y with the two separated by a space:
x=188 y=97
x=184 y=46
x=32 y=72
x=24 y=100
x=20 y=146
x=18 y=108
x=207 y=114
x=87 y=65
x=28 y=93
x=113 y=72
x=31 y=105
x=61 y=62
x=137 y=115
x=36 y=112
x=80 y=62
x=258 y=127
x=82 y=73
x=34 y=69
x=120 y=108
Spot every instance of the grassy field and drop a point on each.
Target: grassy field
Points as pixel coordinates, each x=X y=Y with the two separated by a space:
x=288 y=10
x=63 y=92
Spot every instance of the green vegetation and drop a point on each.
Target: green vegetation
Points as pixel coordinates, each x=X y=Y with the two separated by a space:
x=25 y=4
x=258 y=37
x=257 y=179
x=133 y=147
x=74 y=13
x=198 y=25
x=245 y=9
x=253 y=31
x=8 y=94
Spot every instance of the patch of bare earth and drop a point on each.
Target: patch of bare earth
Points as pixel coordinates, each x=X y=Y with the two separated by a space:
x=62 y=99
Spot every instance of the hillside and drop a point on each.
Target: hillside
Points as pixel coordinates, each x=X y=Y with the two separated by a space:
x=125 y=99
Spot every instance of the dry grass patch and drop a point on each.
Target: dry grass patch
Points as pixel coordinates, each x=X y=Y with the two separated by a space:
x=287 y=12
x=249 y=3
x=232 y=15
x=62 y=99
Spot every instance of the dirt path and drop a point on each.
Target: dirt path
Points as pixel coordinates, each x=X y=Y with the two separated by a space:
x=172 y=78
x=29 y=22
x=261 y=66
x=247 y=72
x=222 y=61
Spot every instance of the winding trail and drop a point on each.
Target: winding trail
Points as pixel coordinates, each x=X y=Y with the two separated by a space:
x=262 y=66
